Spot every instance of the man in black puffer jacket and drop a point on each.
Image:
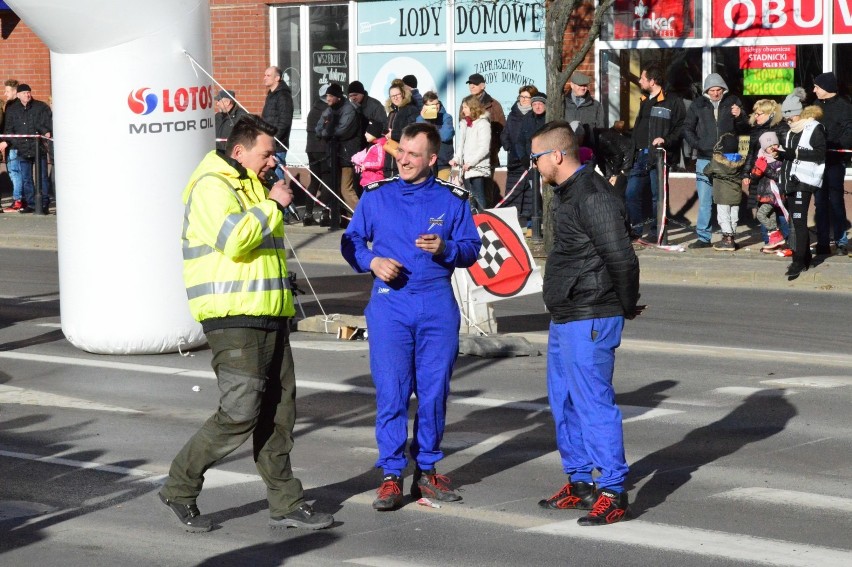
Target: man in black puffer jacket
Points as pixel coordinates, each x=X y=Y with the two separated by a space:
x=278 y=111
x=590 y=286
x=709 y=117
x=831 y=221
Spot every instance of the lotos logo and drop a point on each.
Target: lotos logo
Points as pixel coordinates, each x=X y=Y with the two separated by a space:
x=140 y=103
x=170 y=100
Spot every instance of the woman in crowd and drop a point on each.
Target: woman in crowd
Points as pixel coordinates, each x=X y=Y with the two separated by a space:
x=765 y=117
x=802 y=153
x=472 y=152
x=434 y=113
x=401 y=113
x=515 y=139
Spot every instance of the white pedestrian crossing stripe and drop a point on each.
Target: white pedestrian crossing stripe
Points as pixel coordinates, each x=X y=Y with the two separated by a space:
x=708 y=543
x=12 y=395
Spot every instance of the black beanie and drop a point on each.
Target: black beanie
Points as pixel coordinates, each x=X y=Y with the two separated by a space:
x=335 y=90
x=375 y=129
x=827 y=82
x=410 y=80
x=356 y=87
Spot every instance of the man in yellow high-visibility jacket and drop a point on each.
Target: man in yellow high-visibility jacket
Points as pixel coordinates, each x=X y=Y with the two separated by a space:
x=235 y=270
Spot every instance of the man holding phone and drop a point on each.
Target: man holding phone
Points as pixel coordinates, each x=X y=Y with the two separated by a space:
x=421 y=229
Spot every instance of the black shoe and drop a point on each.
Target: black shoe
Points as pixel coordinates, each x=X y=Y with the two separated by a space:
x=609 y=508
x=572 y=496
x=188 y=515
x=303 y=517
x=699 y=244
x=333 y=228
x=794 y=270
x=325 y=220
x=429 y=484
x=309 y=221
x=842 y=250
x=822 y=250
x=389 y=494
x=26 y=209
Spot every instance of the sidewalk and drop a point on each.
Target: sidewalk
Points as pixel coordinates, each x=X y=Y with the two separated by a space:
x=747 y=267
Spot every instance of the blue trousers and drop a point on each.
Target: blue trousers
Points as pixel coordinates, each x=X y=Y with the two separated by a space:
x=580 y=363
x=25 y=168
x=414 y=342
x=13 y=166
x=704 y=189
x=476 y=186
x=640 y=180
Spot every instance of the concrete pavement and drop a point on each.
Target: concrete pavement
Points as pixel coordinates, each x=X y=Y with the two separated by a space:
x=746 y=267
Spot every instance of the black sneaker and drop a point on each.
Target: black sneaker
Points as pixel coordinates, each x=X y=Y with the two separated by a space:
x=188 y=515
x=609 y=508
x=309 y=220
x=572 y=496
x=794 y=270
x=822 y=250
x=699 y=244
x=389 y=494
x=429 y=484
x=325 y=220
x=303 y=517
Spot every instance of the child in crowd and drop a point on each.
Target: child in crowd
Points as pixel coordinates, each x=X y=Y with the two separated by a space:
x=370 y=161
x=724 y=171
x=765 y=175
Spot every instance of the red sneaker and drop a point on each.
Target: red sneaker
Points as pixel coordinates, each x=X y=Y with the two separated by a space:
x=429 y=484
x=572 y=496
x=389 y=494
x=16 y=206
x=611 y=507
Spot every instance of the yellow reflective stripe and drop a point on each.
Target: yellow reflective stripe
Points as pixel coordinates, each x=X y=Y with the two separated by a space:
x=238 y=286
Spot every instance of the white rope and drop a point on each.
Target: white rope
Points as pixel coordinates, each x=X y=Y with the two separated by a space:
x=197 y=66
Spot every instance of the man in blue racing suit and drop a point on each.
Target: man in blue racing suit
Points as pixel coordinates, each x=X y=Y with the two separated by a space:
x=421 y=229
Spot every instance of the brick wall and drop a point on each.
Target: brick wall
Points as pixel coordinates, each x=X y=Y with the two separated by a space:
x=23 y=56
x=575 y=34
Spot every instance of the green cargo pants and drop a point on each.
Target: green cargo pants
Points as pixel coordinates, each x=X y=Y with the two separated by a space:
x=257 y=386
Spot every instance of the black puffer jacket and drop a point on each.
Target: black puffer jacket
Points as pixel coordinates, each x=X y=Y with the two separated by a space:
x=34 y=118
x=837 y=119
x=592 y=270
x=514 y=140
x=340 y=127
x=278 y=111
x=702 y=129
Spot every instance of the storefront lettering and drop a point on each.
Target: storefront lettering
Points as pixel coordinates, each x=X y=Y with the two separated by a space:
x=503 y=18
x=653 y=24
x=742 y=14
x=419 y=21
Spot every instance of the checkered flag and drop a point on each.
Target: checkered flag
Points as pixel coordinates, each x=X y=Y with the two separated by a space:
x=493 y=253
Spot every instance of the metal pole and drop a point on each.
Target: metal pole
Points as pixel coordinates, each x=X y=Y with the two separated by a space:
x=536 y=206
x=39 y=210
x=662 y=199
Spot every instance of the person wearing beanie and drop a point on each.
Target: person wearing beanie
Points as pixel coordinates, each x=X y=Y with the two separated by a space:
x=316 y=149
x=709 y=118
x=372 y=110
x=443 y=121
x=579 y=104
x=369 y=163
x=410 y=82
x=539 y=97
x=28 y=117
x=765 y=117
x=831 y=220
x=764 y=177
x=802 y=155
x=340 y=127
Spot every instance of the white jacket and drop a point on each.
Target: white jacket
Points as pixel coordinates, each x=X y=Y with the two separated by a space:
x=473 y=147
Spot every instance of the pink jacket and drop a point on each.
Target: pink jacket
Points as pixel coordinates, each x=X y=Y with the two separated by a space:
x=370 y=161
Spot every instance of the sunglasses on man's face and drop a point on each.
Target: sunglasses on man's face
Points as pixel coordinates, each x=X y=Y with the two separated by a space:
x=534 y=157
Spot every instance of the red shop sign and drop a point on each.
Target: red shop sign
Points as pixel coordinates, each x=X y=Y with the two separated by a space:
x=767 y=57
x=842 y=16
x=756 y=18
x=636 y=19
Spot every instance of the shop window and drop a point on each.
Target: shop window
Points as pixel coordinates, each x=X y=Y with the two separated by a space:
x=843 y=52
x=726 y=62
x=325 y=57
x=288 y=40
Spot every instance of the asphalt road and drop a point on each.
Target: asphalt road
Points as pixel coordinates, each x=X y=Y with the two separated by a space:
x=736 y=427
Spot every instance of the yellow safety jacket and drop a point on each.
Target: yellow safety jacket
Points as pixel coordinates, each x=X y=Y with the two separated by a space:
x=234 y=261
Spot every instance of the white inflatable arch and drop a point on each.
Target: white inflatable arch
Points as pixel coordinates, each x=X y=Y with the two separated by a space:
x=132 y=119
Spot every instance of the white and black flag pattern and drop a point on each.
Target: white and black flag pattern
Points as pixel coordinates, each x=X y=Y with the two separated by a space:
x=493 y=253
